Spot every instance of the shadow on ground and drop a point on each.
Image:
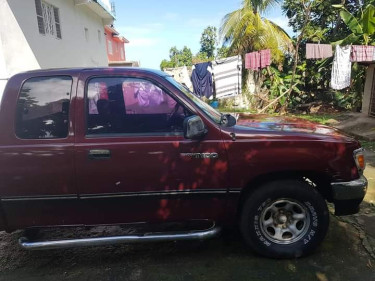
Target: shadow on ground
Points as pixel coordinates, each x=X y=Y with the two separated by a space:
x=341 y=257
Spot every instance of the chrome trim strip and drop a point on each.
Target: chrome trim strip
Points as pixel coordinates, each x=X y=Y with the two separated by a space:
x=355 y=189
x=130 y=239
x=152 y=193
x=235 y=191
x=118 y=195
x=39 y=198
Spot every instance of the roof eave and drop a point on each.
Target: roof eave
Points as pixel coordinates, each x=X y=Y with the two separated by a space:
x=98 y=7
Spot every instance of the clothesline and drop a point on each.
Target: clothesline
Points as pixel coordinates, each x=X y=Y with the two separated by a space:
x=358 y=53
x=342 y=62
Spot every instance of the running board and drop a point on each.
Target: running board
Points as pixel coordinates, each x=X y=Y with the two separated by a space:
x=127 y=239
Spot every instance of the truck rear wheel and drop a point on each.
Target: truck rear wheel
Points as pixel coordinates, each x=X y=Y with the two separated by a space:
x=284 y=219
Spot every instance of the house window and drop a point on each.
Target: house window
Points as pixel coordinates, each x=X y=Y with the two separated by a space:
x=48 y=18
x=99 y=36
x=87 y=34
x=110 y=49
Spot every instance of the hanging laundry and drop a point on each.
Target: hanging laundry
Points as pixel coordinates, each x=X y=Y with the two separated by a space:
x=265 y=58
x=248 y=58
x=341 y=68
x=318 y=51
x=255 y=65
x=202 y=79
x=252 y=61
x=257 y=60
x=362 y=53
x=227 y=76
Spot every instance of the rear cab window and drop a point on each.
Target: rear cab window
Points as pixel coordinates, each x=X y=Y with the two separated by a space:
x=43 y=108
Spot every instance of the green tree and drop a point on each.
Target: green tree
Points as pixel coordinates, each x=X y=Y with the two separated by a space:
x=177 y=58
x=185 y=57
x=325 y=22
x=208 y=41
x=166 y=64
x=201 y=57
x=245 y=30
x=173 y=55
x=362 y=28
x=222 y=52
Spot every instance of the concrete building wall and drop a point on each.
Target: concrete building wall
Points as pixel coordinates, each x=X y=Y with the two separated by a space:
x=22 y=47
x=368 y=88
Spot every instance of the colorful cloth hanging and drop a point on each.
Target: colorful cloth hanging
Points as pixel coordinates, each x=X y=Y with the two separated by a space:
x=341 y=68
x=362 y=53
x=252 y=61
x=265 y=58
x=257 y=60
x=318 y=51
x=247 y=60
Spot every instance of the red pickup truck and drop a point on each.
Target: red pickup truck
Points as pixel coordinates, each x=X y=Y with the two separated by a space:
x=123 y=145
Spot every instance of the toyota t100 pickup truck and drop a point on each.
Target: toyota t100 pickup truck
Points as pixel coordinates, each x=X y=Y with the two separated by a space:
x=113 y=146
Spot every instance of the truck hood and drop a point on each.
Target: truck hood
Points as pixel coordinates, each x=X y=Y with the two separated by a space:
x=263 y=122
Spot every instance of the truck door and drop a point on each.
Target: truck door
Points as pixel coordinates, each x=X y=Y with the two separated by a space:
x=133 y=163
x=37 y=152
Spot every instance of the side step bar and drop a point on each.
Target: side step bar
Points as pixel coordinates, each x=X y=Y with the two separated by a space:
x=127 y=239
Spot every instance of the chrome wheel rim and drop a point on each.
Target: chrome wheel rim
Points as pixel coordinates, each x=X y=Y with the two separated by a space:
x=284 y=221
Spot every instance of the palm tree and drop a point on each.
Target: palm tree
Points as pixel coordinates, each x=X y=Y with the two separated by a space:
x=245 y=30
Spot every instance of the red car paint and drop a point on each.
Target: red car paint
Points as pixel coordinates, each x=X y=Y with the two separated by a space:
x=47 y=182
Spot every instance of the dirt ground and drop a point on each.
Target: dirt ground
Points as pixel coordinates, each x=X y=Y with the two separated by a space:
x=348 y=253
x=342 y=256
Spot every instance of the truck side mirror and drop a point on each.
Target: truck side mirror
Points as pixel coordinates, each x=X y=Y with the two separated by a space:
x=194 y=128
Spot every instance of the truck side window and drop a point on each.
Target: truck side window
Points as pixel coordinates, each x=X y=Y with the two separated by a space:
x=43 y=108
x=131 y=106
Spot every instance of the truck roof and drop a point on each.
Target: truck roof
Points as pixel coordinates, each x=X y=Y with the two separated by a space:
x=77 y=70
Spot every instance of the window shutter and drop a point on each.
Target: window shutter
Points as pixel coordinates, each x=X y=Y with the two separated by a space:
x=57 y=22
x=39 y=16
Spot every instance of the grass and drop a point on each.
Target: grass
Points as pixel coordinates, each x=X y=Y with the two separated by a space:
x=234 y=110
x=368 y=145
x=324 y=119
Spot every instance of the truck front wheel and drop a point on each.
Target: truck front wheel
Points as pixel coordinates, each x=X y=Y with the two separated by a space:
x=284 y=219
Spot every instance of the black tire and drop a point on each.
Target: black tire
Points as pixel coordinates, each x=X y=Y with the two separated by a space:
x=265 y=205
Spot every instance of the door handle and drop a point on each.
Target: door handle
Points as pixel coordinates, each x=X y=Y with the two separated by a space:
x=99 y=154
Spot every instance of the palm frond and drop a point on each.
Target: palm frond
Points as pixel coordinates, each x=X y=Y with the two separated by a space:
x=244 y=30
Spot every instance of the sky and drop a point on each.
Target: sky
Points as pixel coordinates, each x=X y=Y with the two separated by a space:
x=153 y=27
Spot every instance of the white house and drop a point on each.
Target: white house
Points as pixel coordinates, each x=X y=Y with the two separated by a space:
x=52 y=33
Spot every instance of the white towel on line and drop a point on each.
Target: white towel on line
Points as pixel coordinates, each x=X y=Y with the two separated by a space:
x=341 y=68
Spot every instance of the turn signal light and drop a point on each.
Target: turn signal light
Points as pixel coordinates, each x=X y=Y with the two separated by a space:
x=359 y=158
x=361 y=161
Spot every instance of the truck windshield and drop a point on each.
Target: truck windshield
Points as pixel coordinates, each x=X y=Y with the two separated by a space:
x=207 y=109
